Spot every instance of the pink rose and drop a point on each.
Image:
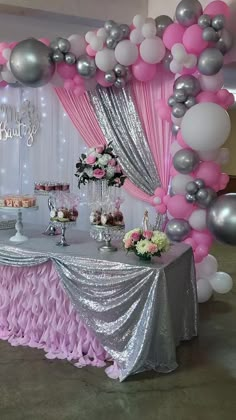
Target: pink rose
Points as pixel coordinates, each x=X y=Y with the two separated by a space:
x=90 y=160
x=147 y=234
x=112 y=162
x=99 y=173
x=128 y=243
x=152 y=248
x=135 y=236
x=100 y=149
x=118 y=169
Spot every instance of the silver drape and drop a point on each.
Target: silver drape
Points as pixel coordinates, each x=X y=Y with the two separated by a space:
x=120 y=123
x=139 y=311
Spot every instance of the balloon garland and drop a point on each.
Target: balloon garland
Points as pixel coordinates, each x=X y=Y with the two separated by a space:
x=193 y=47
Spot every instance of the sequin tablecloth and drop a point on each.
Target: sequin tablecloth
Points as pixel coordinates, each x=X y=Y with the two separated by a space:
x=136 y=312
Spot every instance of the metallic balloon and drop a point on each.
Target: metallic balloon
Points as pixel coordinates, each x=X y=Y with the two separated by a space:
x=31 y=63
x=63 y=45
x=190 y=198
x=54 y=45
x=57 y=56
x=108 y=25
x=185 y=161
x=199 y=182
x=221 y=219
x=177 y=229
x=167 y=60
x=218 y=22
x=125 y=29
x=189 y=84
x=171 y=101
x=162 y=22
x=225 y=42
x=86 y=66
x=120 y=70
x=111 y=43
x=178 y=110
x=188 y=12
x=180 y=95
x=70 y=58
x=210 y=35
x=116 y=33
x=210 y=61
x=110 y=76
x=190 y=101
x=205 y=197
x=120 y=82
x=191 y=187
x=175 y=129
x=204 y=21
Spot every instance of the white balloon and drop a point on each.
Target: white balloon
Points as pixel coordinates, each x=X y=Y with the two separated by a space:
x=152 y=50
x=105 y=59
x=209 y=155
x=78 y=44
x=179 y=183
x=191 y=61
x=96 y=43
x=176 y=67
x=136 y=36
x=223 y=156
x=149 y=30
x=221 y=282
x=89 y=36
x=102 y=34
x=197 y=219
x=205 y=126
x=179 y=53
x=212 y=83
x=126 y=52
x=138 y=21
x=6 y=53
x=207 y=267
x=204 y=290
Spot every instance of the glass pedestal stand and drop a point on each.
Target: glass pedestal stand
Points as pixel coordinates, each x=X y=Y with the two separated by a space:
x=63 y=226
x=18 y=237
x=107 y=234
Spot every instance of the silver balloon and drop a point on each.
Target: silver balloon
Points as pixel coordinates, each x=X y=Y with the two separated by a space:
x=120 y=82
x=54 y=45
x=188 y=12
x=57 y=56
x=221 y=219
x=171 y=101
x=63 y=45
x=210 y=61
x=178 y=110
x=190 y=198
x=218 y=22
x=167 y=60
x=108 y=25
x=185 y=161
x=180 y=95
x=125 y=29
x=177 y=229
x=86 y=66
x=120 y=70
x=175 y=129
x=191 y=187
x=70 y=58
x=204 y=21
x=110 y=76
x=31 y=63
x=210 y=35
x=191 y=101
x=116 y=33
x=205 y=197
x=225 y=42
x=162 y=22
x=189 y=84
x=111 y=43
x=199 y=182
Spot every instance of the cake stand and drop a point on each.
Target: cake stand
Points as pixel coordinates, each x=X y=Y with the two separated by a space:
x=18 y=237
x=105 y=234
x=63 y=225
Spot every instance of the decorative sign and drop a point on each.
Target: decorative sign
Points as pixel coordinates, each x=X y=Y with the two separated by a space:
x=22 y=123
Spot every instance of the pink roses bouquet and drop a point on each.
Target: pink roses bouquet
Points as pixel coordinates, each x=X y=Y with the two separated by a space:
x=100 y=163
x=146 y=243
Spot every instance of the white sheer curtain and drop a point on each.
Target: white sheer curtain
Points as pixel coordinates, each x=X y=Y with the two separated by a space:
x=52 y=157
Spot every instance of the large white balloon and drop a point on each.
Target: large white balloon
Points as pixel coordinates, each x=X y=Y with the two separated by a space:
x=138 y=21
x=78 y=44
x=221 y=282
x=105 y=60
x=152 y=50
x=207 y=267
x=136 y=36
x=204 y=290
x=179 y=182
x=126 y=52
x=197 y=219
x=205 y=126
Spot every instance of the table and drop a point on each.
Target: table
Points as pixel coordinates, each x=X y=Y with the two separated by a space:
x=88 y=307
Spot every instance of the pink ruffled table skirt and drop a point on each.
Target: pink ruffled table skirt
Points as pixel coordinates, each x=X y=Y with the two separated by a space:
x=36 y=312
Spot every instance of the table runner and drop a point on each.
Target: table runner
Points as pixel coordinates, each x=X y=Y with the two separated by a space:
x=139 y=311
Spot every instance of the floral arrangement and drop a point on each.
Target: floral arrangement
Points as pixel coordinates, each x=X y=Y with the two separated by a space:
x=146 y=243
x=100 y=163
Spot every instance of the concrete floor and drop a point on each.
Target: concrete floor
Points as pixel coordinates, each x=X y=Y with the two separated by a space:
x=203 y=388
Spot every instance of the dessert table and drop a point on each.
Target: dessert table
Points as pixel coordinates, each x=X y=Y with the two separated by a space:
x=94 y=308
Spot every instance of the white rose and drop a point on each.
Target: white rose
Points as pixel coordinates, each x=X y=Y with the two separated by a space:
x=103 y=160
x=110 y=172
x=89 y=172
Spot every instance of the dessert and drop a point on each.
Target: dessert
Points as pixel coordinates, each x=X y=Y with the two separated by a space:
x=48 y=186
x=64 y=214
x=18 y=201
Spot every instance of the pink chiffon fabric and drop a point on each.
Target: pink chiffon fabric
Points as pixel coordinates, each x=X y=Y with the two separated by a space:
x=36 y=312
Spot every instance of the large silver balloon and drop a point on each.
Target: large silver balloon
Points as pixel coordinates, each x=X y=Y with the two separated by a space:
x=190 y=101
x=54 y=45
x=110 y=76
x=167 y=60
x=175 y=129
x=125 y=29
x=225 y=42
x=63 y=45
x=178 y=110
x=120 y=70
x=204 y=21
x=205 y=197
x=162 y=22
x=218 y=22
x=171 y=101
x=185 y=161
x=116 y=33
x=188 y=12
x=221 y=219
x=177 y=229
x=189 y=84
x=180 y=95
x=210 y=35
x=108 y=25
x=191 y=187
x=111 y=43
x=86 y=66
x=70 y=58
x=210 y=61
x=57 y=56
x=31 y=63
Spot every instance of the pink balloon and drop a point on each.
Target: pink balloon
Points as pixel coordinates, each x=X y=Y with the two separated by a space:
x=202 y=238
x=101 y=80
x=200 y=253
x=12 y=45
x=3 y=46
x=224 y=180
x=210 y=173
x=191 y=242
x=2 y=59
x=160 y=208
x=188 y=71
x=78 y=80
x=160 y=192
x=193 y=41
x=225 y=98
x=45 y=41
x=181 y=140
x=163 y=110
x=90 y=51
x=178 y=207
x=173 y=35
x=217 y=8
x=207 y=97
x=66 y=71
x=79 y=90
x=69 y=84
x=144 y=72
x=3 y=83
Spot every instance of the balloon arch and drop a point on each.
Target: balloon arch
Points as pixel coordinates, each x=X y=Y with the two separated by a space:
x=194 y=47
